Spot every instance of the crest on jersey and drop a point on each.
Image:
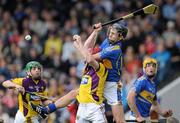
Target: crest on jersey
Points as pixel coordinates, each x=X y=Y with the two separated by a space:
x=84 y=80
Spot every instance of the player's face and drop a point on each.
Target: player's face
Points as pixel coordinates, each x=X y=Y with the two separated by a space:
x=114 y=35
x=36 y=72
x=150 y=69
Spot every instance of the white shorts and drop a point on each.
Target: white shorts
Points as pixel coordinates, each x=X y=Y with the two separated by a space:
x=91 y=113
x=19 y=118
x=112 y=93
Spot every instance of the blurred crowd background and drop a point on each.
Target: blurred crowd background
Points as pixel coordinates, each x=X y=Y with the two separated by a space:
x=52 y=23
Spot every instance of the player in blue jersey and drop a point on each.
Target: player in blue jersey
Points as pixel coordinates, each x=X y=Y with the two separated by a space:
x=142 y=97
x=111 y=54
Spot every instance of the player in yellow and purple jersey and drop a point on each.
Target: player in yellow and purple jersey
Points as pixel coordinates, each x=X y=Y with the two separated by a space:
x=110 y=53
x=89 y=94
x=31 y=83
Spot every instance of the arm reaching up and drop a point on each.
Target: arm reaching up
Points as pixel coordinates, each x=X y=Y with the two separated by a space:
x=84 y=52
x=90 y=42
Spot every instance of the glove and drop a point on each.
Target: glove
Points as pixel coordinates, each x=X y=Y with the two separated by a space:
x=41 y=110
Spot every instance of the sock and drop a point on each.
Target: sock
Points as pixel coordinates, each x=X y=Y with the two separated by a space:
x=51 y=107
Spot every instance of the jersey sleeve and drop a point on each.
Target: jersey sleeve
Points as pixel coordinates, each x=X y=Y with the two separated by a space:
x=17 y=81
x=109 y=52
x=138 y=86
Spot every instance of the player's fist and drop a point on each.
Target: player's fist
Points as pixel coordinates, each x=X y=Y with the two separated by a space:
x=20 y=89
x=97 y=26
x=77 y=38
x=77 y=41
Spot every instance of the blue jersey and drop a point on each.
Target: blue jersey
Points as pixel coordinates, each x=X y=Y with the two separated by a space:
x=111 y=54
x=145 y=90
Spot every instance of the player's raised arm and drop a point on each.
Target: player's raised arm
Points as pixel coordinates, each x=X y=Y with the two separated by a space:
x=90 y=42
x=84 y=52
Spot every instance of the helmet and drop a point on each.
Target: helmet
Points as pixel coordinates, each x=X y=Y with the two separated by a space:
x=149 y=60
x=32 y=64
x=120 y=29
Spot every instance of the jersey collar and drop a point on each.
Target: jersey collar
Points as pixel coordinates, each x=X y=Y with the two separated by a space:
x=153 y=81
x=115 y=43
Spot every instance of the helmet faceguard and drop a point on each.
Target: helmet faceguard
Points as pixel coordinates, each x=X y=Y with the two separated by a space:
x=148 y=61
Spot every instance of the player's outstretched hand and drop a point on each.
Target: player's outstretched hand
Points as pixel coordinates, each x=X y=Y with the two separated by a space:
x=167 y=113
x=41 y=110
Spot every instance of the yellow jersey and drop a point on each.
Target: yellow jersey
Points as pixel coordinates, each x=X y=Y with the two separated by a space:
x=30 y=85
x=92 y=85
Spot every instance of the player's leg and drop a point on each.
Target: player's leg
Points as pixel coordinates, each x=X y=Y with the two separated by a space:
x=118 y=113
x=98 y=114
x=113 y=97
x=19 y=118
x=81 y=114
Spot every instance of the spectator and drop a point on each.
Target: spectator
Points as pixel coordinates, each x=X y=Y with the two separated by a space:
x=4 y=116
x=169 y=10
x=163 y=57
x=175 y=54
x=53 y=43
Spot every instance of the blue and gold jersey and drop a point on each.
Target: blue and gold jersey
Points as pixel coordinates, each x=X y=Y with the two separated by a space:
x=145 y=90
x=92 y=85
x=111 y=54
x=38 y=87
